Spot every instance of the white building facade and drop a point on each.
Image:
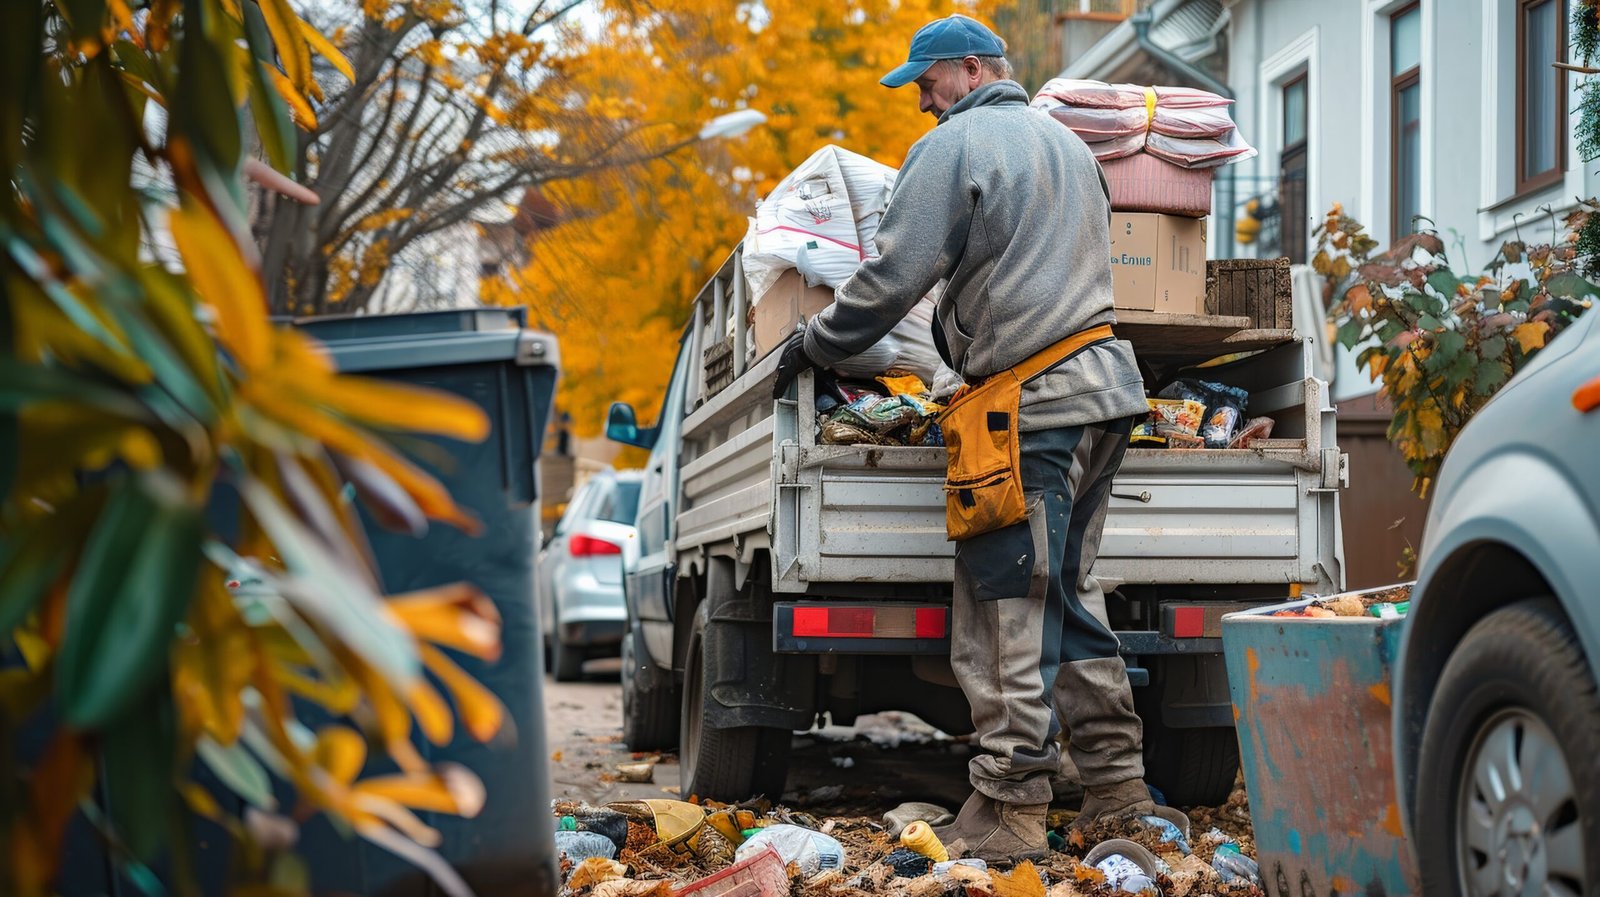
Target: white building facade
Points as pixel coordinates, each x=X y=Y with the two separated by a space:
x=1401 y=110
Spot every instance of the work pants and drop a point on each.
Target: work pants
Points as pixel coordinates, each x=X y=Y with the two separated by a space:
x=1028 y=629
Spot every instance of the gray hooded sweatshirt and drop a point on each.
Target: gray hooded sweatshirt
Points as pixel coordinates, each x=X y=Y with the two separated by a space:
x=1010 y=208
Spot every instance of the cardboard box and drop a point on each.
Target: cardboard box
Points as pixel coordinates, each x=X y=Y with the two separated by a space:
x=786 y=304
x=1158 y=262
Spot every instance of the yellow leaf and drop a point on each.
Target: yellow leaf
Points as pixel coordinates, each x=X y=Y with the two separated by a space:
x=481 y=712
x=383 y=404
x=299 y=106
x=433 y=715
x=225 y=281
x=290 y=41
x=453 y=790
x=1530 y=336
x=341 y=752
x=327 y=50
x=430 y=496
x=456 y=616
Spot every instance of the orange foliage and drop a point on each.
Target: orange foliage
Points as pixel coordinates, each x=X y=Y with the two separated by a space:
x=615 y=279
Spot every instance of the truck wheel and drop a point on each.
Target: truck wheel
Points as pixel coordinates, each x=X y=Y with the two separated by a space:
x=649 y=700
x=1191 y=767
x=566 y=661
x=1508 y=778
x=725 y=764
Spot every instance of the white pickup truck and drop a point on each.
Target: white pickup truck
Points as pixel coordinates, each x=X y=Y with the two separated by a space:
x=777 y=579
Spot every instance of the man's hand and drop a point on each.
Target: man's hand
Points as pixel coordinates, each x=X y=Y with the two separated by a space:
x=791 y=361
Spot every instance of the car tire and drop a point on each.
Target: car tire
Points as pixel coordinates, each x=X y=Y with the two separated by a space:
x=566 y=661
x=1191 y=767
x=725 y=764
x=1509 y=766
x=650 y=701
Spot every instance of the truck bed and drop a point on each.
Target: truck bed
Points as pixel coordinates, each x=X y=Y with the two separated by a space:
x=857 y=514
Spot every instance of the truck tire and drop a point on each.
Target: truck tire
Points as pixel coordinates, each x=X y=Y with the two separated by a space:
x=1508 y=773
x=1191 y=767
x=566 y=661
x=724 y=764
x=649 y=699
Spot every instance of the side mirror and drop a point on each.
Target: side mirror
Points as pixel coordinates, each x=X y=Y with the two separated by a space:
x=622 y=427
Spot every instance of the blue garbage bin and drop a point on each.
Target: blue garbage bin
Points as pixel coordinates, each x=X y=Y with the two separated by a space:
x=489 y=356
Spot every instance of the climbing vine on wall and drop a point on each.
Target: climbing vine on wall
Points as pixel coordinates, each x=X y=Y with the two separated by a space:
x=1586 y=44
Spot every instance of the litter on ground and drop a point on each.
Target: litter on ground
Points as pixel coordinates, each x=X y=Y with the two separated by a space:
x=673 y=848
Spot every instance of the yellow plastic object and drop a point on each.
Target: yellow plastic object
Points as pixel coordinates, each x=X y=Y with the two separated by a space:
x=678 y=823
x=919 y=836
x=904 y=385
x=726 y=824
x=1149 y=107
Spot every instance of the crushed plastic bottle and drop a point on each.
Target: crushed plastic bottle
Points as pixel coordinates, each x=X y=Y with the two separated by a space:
x=1235 y=866
x=580 y=846
x=945 y=867
x=811 y=851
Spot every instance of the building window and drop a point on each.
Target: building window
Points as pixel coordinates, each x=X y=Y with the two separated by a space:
x=1405 y=120
x=1292 y=170
x=1541 y=94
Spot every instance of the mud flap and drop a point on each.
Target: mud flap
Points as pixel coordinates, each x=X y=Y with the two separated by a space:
x=752 y=686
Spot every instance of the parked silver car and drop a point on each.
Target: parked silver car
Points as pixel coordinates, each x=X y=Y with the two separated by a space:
x=1497 y=710
x=580 y=573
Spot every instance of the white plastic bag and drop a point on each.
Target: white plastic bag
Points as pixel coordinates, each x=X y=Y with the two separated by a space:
x=812 y=851
x=828 y=208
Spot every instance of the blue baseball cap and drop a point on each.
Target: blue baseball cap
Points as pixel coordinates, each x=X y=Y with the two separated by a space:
x=954 y=37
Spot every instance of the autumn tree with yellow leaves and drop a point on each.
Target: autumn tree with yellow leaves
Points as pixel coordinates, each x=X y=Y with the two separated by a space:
x=140 y=377
x=445 y=114
x=615 y=279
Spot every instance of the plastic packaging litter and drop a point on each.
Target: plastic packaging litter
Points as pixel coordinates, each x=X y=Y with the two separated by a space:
x=1123 y=874
x=919 y=836
x=1225 y=407
x=943 y=869
x=677 y=823
x=1126 y=865
x=907 y=863
x=606 y=822
x=579 y=846
x=1180 y=415
x=1254 y=428
x=1170 y=833
x=1235 y=866
x=1389 y=610
x=811 y=851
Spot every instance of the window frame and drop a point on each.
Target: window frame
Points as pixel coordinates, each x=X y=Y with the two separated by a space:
x=1523 y=183
x=1398 y=84
x=1297 y=250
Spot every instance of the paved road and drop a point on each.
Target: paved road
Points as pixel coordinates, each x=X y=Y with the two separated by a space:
x=867 y=769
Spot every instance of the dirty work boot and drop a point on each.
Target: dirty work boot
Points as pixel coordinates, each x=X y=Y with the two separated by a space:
x=1109 y=803
x=996 y=832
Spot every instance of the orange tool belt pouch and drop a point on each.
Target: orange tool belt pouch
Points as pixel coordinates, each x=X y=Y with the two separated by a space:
x=983 y=482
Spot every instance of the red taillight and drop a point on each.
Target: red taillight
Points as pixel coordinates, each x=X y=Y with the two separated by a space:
x=581 y=546
x=870 y=622
x=1188 y=622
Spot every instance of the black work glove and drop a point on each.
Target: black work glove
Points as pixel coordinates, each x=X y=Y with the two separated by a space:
x=792 y=360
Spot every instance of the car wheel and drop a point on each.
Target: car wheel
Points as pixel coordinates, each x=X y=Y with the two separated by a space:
x=566 y=661
x=1191 y=767
x=725 y=764
x=649 y=700
x=1508 y=778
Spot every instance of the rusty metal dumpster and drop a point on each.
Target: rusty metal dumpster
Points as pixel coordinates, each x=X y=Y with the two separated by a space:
x=1311 y=702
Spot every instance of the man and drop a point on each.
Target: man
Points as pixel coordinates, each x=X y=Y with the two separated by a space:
x=1011 y=210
